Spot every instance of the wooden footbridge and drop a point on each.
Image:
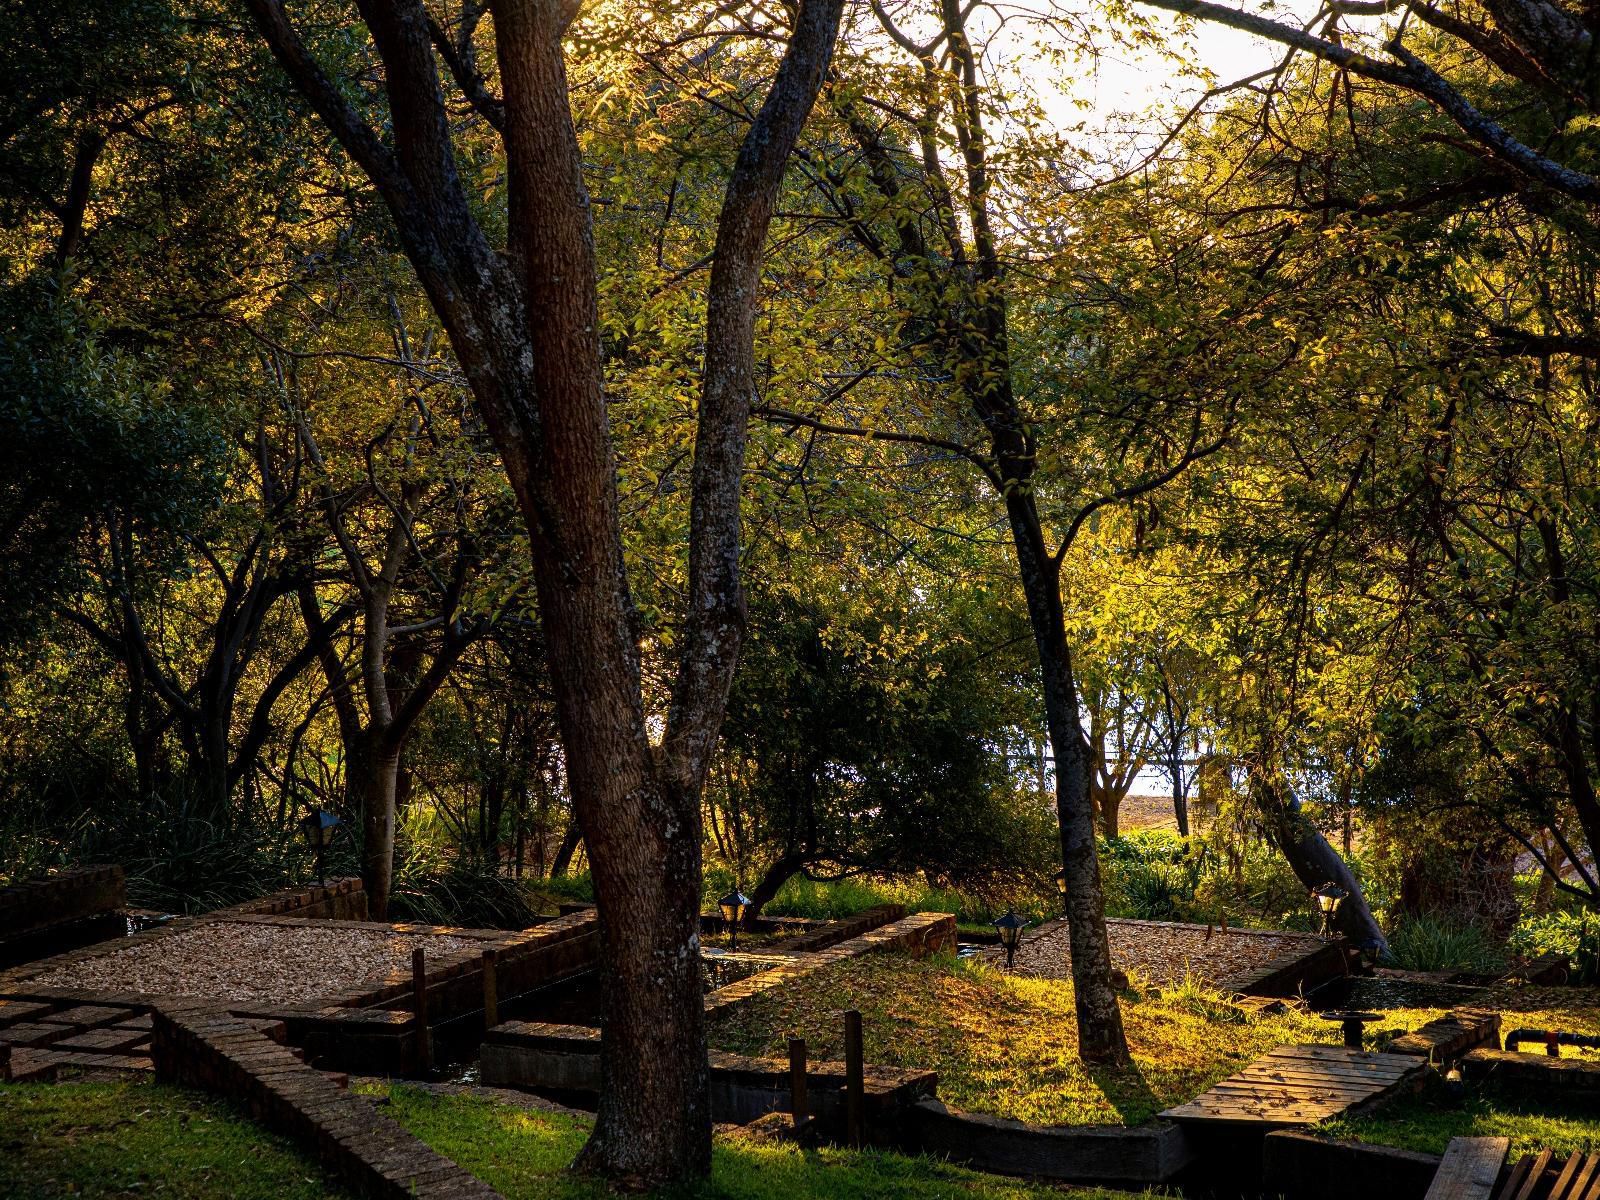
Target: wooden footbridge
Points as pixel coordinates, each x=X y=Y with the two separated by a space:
x=1302 y=1085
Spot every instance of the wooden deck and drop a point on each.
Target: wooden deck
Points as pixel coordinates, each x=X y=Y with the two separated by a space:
x=1302 y=1085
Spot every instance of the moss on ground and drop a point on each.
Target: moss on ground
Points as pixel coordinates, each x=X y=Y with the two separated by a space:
x=142 y=1139
x=1007 y=1045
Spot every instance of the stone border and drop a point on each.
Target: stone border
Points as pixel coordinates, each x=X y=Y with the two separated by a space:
x=920 y=935
x=340 y=899
x=1451 y=1036
x=835 y=932
x=566 y=1059
x=1568 y=1076
x=65 y=896
x=201 y=1046
x=1141 y=1154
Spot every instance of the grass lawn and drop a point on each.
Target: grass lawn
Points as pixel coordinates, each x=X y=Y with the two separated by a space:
x=1425 y=1123
x=141 y=1139
x=104 y=1140
x=1007 y=1045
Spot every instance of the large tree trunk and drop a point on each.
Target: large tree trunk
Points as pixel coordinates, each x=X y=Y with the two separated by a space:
x=525 y=329
x=379 y=779
x=1100 y=1034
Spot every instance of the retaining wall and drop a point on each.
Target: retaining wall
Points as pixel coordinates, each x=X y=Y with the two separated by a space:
x=338 y=900
x=1307 y=1167
x=566 y=1059
x=58 y=912
x=1146 y=1154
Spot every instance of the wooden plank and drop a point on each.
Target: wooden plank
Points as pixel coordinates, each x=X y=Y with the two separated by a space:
x=1514 y=1181
x=1341 y=1054
x=1535 y=1176
x=1588 y=1174
x=1355 y=1078
x=1591 y=1185
x=1564 y=1180
x=1469 y=1169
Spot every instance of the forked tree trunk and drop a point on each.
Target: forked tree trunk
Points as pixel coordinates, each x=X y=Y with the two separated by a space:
x=525 y=329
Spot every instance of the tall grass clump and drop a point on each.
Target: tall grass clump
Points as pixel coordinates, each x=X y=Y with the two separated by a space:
x=1432 y=944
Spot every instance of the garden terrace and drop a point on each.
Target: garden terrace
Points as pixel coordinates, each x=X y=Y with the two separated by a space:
x=1005 y=1044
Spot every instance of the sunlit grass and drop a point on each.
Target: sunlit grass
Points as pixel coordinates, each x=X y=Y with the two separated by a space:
x=1007 y=1045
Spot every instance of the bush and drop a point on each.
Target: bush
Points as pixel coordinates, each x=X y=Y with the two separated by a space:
x=1432 y=944
x=466 y=892
x=1573 y=934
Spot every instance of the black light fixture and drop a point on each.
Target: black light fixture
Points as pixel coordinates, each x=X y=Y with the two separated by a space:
x=733 y=906
x=1061 y=888
x=319 y=825
x=1328 y=897
x=1010 y=927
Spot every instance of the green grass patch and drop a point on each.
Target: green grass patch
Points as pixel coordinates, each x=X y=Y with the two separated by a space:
x=141 y=1139
x=522 y=1153
x=1425 y=1123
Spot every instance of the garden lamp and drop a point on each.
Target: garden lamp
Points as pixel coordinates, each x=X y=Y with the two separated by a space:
x=319 y=825
x=1010 y=927
x=1061 y=888
x=733 y=906
x=1328 y=897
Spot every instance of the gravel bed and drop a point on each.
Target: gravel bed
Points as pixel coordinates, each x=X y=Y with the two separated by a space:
x=1161 y=953
x=243 y=961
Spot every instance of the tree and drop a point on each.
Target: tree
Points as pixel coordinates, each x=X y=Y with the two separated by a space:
x=524 y=327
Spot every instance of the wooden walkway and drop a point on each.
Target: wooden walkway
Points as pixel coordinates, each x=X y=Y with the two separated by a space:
x=1302 y=1085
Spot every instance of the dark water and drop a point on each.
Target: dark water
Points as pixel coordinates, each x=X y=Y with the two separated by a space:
x=1377 y=992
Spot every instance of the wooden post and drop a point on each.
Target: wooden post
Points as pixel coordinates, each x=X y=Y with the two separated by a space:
x=799 y=1101
x=491 y=996
x=854 y=1078
x=419 y=993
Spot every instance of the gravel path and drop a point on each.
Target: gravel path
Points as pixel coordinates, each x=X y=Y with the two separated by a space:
x=1162 y=953
x=239 y=960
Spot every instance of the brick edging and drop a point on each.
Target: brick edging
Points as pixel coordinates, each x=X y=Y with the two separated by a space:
x=199 y=1045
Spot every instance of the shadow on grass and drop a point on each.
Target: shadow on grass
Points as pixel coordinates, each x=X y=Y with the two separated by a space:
x=1127 y=1091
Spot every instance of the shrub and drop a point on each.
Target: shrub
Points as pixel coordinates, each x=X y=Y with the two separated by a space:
x=1432 y=944
x=1574 y=934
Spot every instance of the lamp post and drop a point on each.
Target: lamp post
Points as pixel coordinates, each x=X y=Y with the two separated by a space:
x=1061 y=888
x=319 y=825
x=1328 y=897
x=733 y=906
x=1010 y=927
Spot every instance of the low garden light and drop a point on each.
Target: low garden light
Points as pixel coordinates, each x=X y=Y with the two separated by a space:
x=1010 y=927
x=1061 y=888
x=319 y=826
x=1328 y=897
x=733 y=906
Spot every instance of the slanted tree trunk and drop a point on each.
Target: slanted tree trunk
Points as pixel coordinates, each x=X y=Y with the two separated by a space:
x=1314 y=860
x=783 y=869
